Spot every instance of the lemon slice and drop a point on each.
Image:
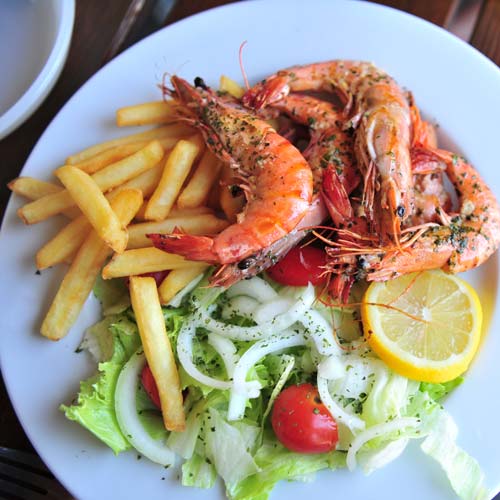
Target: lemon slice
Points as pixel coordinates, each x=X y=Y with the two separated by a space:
x=425 y=326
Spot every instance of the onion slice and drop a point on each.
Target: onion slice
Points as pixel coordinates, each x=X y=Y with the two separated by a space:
x=128 y=419
x=242 y=390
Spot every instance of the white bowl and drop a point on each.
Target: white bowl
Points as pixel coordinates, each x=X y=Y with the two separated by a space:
x=34 y=42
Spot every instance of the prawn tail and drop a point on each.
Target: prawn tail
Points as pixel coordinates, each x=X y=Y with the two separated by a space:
x=336 y=198
x=198 y=248
x=266 y=93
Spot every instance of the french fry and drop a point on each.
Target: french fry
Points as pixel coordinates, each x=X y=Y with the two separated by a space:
x=119 y=152
x=142 y=260
x=175 y=212
x=32 y=188
x=109 y=177
x=175 y=130
x=199 y=186
x=194 y=224
x=228 y=85
x=64 y=244
x=189 y=212
x=95 y=206
x=158 y=351
x=146 y=182
x=148 y=113
x=177 y=279
x=80 y=278
x=177 y=168
x=128 y=168
x=231 y=205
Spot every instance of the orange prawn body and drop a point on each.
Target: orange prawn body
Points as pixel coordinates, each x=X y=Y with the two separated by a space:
x=275 y=177
x=380 y=113
x=467 y=241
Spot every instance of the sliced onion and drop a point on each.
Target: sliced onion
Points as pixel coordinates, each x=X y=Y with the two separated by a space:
x=271 y=309
x=241 y=390
x=185 y=354
x=226 y=350
x=128 y=420
x=343 y=418
x=376 y=431
x=321 y=332
x=256 y=287
x=241 y=305
x=273 y=326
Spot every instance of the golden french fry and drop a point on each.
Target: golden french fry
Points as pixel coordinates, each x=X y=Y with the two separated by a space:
x=32 y=188
x=175 y=130
x=117 y=153
x=64 y=244
x=148 y=113
x=198 y=188
x=79 y=280
x=177 y=168
x=95 y=206
x=146 y=182
x=158 y=351
x=228 y=85
x=109 y=156
x=177 y=279
x=175 y=211
x=122 y=171
x=189 y=212
x=142 y=260
x=109 y=177
x=193 y=224
x=231 y=205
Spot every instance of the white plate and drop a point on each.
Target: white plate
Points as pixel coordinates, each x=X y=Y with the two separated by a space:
x=451 y=82
x=34 y=43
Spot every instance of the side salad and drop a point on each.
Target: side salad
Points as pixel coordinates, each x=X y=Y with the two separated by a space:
x=239 y=350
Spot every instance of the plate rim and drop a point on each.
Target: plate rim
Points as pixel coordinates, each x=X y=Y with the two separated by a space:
x=223 y=7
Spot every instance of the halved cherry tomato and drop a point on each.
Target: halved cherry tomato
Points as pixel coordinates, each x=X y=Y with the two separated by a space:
x=149 y=384
x=301 y=421
x=299 y=267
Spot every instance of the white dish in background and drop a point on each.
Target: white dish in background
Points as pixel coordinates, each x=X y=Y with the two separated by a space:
x=34 y=43
x=438 y=68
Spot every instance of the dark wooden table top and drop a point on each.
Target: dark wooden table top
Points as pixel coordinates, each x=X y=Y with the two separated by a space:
x=101 y=31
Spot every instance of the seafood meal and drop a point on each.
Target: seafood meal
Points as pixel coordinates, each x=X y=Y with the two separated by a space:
x=277 y=271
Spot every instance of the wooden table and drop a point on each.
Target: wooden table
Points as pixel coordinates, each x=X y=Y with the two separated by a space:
x=102 y=33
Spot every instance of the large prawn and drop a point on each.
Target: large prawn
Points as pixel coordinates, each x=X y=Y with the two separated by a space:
x=469 y=238
x=379 y=111
x=275 y=177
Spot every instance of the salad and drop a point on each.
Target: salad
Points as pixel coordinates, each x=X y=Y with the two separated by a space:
x=242 y=352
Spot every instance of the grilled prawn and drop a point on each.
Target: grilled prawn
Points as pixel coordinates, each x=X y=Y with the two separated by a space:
x=379 y=111
x=275 y=177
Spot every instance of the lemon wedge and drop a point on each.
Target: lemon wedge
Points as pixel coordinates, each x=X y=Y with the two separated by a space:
x=425 y=326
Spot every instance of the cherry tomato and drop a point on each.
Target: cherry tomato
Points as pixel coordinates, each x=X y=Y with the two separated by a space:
x=158 y=276
x=149 y=384
x=299 y=267
x=301 y=421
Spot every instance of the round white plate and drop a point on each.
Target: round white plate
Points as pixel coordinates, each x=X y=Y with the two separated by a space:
x=437 y=67
x=34 y=43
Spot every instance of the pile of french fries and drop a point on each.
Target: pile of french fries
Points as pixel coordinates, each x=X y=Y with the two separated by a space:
x=114 y=194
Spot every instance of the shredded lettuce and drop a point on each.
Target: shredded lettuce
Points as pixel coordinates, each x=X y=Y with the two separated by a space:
x=389 y=408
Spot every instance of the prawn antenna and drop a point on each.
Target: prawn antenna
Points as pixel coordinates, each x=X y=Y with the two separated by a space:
x=242 y=67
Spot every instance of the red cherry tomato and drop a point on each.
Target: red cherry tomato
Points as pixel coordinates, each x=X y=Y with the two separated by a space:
x=301 y=421
x=158 y=276
x=149 y=384
x=299 y=267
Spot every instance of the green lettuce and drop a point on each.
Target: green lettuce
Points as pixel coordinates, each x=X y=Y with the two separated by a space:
x=95 y=404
